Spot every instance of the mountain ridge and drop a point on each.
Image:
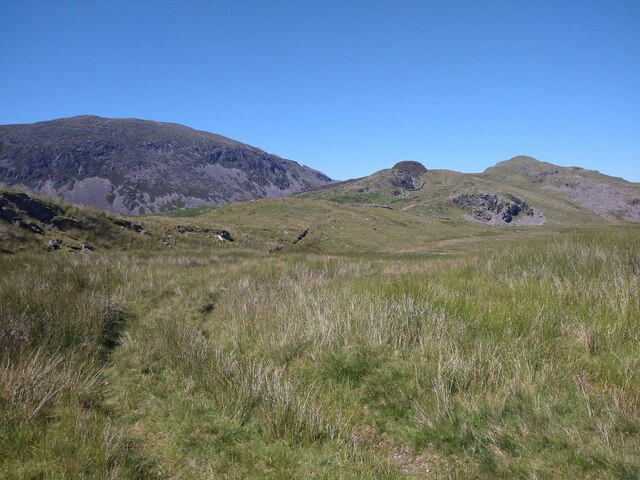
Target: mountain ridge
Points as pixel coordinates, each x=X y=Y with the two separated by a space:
x=134 y=166
x=518 y=191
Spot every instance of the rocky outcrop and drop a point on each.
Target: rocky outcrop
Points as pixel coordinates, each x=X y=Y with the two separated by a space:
x=404 y=181
x=26 y=212
x=48 y=219
x=31 y=206
x=406 y=175
x=498 y=210
x=135 y=227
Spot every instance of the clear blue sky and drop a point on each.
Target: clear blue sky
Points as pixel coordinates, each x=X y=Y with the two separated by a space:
x=347 y=87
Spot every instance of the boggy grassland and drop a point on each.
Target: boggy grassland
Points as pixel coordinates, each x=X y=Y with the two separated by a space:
x=223 y=362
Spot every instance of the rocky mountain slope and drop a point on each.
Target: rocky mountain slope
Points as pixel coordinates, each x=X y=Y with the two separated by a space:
x=601 y=194
x=134 y=166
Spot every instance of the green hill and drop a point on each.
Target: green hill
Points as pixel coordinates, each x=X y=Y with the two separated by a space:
x=555 y=195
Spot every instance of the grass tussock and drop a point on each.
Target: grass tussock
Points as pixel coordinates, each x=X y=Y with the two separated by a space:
x=517 y=363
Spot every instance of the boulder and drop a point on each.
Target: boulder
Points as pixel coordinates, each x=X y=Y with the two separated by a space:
x=54 y=244
x=224 y=236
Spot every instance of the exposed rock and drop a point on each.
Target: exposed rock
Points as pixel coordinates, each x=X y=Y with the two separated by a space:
x=32 y=227
x=497 y=210
x=406 y=175
x=86 y=248
x=224 y=236
x=135 y=227
x=33 y=207
x=301 y=236
x=124 y=224
x=603 y=195
x=54 y=244
x=85 y=226
x=221 y=235
x=9 y=215
x=403 y=180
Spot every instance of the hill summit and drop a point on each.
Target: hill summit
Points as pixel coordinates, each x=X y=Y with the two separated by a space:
x=410 y=167
x=520 y=191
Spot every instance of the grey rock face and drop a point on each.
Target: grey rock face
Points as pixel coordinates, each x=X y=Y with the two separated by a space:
x=136 y=166
x=498 y=210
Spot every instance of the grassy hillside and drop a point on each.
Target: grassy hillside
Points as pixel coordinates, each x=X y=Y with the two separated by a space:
x=382 y=344
x=566 y=196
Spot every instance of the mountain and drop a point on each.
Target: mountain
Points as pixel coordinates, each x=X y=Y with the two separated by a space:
x=404 y=209
x=132 y=166
x=519 y=191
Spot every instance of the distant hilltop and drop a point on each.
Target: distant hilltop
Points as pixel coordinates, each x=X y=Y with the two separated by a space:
x=411 y=167
x=520 y=191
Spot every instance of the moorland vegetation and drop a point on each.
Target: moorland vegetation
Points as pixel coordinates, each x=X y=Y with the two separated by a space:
x=383 y=345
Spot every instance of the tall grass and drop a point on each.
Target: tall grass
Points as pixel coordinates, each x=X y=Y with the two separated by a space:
x=59 y=319
x=198 y=364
